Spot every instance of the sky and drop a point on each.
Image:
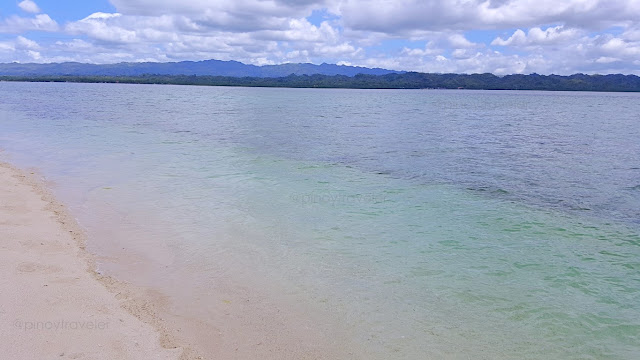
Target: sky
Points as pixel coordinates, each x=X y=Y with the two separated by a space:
x=457 y=36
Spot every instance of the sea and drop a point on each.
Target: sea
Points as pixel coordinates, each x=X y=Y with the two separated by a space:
x=342 y=223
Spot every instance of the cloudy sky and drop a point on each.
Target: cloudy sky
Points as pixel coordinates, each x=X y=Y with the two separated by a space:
x=464 y=36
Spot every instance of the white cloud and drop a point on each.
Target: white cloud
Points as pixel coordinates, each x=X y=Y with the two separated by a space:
x=458 y=41
x=622 y=48
x=430 y=49
x=301 y=30
x=182 y=38
x=29 y=6
x=6 y=47
x=463 y=62
x=101 y=16
x=518 y=38
x=606 y=60
x=102 y=27
x=404 y=16
x=269 y=7
x=26 y=50
x=238 y=15
x=601 y=53
x=536 y=36
x=17 y=24
x=34 y=55
x=632 y=34
x=341 y=50
x=24 y=43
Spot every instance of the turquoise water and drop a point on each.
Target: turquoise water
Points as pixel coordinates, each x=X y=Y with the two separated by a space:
x=418 y=224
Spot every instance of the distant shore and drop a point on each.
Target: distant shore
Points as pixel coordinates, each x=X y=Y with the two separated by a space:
x=411 y=80
x=52 y=303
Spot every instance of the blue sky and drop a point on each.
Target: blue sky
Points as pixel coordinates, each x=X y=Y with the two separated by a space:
x=464 y=36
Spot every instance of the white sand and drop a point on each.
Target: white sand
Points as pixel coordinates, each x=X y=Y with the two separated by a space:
x=52 y=305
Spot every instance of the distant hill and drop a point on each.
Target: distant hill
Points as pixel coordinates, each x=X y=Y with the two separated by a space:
x=199 y=68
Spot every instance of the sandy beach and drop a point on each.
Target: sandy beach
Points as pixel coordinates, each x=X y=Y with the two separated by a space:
x=52 y=303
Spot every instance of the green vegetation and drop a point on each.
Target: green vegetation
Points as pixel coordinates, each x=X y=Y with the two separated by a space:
x=411 y=80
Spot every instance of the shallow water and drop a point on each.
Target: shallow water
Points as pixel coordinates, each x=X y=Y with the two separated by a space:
x=417 y=224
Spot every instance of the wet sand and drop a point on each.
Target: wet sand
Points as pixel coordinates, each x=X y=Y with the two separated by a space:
x=52 y=304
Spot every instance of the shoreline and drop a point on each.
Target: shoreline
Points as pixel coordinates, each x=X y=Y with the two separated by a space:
x=53 y=301
x=85 y=314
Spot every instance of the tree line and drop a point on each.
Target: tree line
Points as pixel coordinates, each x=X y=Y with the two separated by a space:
x=409 y=80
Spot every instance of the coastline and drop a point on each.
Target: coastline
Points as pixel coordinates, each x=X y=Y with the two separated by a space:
x=52 y=301
x=415 y=81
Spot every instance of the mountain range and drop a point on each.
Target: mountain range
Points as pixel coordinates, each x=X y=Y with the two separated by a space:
x=200 y=68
